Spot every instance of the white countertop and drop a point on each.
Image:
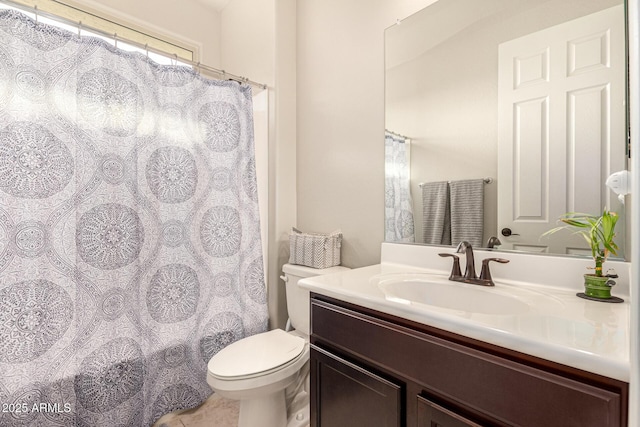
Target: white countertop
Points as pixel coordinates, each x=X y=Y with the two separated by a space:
x=557 y=325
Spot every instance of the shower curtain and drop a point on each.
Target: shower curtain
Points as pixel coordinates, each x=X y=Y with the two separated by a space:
x=399 y=226
x=130 y=246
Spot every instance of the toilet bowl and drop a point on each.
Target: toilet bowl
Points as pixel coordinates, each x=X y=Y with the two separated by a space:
x=268 y=372
x=257 y=370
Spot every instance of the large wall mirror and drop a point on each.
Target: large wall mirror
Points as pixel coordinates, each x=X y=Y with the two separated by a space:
x=502 y=115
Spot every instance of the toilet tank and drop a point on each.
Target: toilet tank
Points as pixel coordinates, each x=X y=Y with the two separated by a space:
x=298 y=297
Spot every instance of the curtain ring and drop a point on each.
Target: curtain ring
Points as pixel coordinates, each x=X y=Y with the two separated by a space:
x=79 y=28
x=146 y=48
x=35 y=10
x=175 y=58
x=115 y=40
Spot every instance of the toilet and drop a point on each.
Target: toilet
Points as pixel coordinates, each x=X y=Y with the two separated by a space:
x=269 y=372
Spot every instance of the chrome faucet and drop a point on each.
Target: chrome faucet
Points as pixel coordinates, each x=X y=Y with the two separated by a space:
x=470 y=268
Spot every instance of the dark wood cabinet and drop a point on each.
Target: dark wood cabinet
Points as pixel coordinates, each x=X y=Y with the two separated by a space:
x=352 y=395
x=418 y=376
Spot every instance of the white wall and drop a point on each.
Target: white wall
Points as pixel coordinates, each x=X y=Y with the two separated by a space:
x=340 y=119
x=258 y=41
x=247 y=39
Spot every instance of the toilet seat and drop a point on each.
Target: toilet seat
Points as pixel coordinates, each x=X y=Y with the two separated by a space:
x=257 y=355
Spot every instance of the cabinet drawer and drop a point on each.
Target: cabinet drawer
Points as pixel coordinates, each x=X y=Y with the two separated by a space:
x=431 y=414
x=499 y=391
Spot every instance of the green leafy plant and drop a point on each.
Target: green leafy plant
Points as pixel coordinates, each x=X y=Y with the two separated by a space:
x=598 y=231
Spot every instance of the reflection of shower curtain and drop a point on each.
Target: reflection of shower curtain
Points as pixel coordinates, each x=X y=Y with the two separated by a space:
x=398 y=204
x=129 y=233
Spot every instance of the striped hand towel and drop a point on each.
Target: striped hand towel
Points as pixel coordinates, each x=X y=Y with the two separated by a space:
x=436 y=224
x=467 y=211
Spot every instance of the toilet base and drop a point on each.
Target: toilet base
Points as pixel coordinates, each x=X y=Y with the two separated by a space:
x=299 y=411
x=266 y=411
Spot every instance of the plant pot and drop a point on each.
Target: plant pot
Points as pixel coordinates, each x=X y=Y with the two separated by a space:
x=598 y=286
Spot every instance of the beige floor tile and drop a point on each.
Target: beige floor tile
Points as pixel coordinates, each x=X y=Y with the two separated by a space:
x=214 y=412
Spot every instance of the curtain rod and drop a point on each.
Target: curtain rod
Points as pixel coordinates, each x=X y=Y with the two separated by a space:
x=197 y=65
x=396 y=134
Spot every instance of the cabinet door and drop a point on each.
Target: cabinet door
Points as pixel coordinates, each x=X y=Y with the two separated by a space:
x=431 y=414
x=347 y=395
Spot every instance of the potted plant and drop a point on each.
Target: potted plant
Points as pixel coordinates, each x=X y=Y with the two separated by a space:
x=599 y=232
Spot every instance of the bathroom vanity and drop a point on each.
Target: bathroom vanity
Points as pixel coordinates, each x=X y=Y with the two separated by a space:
x=368 y=368
x=382 y=358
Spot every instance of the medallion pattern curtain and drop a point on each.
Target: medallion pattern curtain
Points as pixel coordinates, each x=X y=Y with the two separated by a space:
x=130 y=246
x=399 y=223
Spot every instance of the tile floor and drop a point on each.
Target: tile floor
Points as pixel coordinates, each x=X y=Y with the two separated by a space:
x=214 y=412
x=217 y=412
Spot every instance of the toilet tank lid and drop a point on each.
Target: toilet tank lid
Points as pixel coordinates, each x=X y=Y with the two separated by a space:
x=304 y=271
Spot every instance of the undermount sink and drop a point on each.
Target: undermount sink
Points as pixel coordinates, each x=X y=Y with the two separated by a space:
x=439 y=292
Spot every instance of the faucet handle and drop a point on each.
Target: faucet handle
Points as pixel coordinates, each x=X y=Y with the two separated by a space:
x=455 y=270
x=485 y=274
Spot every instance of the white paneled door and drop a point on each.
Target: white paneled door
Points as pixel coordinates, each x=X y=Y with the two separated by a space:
x=561 y=128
